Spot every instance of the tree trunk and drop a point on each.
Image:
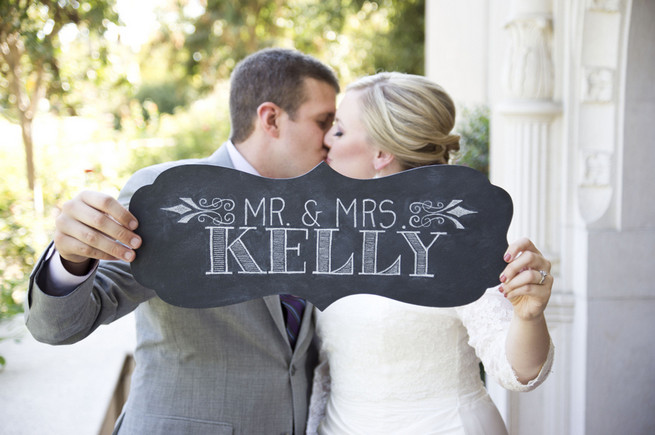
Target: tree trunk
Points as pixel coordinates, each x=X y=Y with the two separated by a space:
x=26 y=106
x=26 y=129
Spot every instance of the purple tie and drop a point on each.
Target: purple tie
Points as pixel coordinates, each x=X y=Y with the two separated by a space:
x=292 y=308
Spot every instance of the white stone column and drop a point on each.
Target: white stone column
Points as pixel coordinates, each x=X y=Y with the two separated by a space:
x=525 y=117
x=522 y=163
x=525 y=165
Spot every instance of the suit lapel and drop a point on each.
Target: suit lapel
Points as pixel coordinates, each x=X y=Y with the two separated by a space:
x=221 y=157
x=274 y=307
x=306 y=333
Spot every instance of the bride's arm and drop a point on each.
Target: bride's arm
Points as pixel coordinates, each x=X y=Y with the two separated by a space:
x=527 y=347
x=509 y=334
x=526 y=283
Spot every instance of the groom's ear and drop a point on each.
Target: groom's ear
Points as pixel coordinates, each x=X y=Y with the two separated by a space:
x=382 y=159
x=268 y=117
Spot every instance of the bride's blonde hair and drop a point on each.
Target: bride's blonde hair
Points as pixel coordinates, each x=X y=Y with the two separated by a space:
x=408 y=116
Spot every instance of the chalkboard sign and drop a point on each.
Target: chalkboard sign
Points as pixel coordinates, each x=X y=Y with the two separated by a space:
x=215 y=236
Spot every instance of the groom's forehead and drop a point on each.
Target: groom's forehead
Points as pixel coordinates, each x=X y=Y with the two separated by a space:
x=318 y=93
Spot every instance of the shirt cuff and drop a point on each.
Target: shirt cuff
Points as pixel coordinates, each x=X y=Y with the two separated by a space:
x=59 y=281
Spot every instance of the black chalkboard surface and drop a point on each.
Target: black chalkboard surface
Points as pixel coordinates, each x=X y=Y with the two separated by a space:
x=215 y=236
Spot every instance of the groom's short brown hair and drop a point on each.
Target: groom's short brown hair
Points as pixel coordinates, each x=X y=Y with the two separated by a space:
x=271 y=75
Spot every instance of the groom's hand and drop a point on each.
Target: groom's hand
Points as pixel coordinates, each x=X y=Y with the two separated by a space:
x=94 y=225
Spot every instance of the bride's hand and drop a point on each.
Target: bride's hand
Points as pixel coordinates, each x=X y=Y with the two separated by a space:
x=526 y=281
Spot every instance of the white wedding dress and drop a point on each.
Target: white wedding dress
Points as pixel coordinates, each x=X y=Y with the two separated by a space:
x=389 y=367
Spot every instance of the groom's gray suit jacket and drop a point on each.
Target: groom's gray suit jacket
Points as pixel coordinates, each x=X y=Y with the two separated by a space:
x=227 y=370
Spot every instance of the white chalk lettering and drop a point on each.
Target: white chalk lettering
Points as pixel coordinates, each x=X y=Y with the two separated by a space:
x=219 y=248
x=420 y=252
x=261 y=206
x=370 y=256
x=278 y=212
x=368 y=211
x=324 y=255
x=286 y=252
x=310 y=218
x=369 y=207
x=353 y=207
x=391 y=212
x=279 y=248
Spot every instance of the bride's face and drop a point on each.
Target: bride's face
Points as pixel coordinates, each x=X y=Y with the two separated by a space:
x=350 y=152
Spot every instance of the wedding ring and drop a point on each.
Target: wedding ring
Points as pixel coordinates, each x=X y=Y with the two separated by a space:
x=544 y=274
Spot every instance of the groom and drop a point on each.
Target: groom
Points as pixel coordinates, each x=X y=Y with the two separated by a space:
x=223 y=370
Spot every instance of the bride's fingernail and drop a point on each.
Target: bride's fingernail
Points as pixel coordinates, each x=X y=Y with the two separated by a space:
x=507 y=257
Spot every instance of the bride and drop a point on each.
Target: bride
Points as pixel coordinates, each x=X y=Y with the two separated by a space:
x=391 y=367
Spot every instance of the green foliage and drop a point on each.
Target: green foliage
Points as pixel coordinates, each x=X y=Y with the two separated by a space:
x=194 y=132
x=193 y=140
x=400 y=46
x=355 y=37
x=167 y=95
x=16 y=252
x=473 y=127
x=29 y=35
x=198 y=139
x=17 y=245
x=196 y=48
x=24 y=232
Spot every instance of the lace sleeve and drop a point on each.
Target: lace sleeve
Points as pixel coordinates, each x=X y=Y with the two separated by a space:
x=487 y=322
x=320 y=395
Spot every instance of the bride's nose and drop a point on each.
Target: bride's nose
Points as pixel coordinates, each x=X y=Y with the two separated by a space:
x=327 y=139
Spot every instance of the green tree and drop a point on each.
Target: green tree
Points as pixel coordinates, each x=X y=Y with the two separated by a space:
x=29 y=55
x=198 y=43
x=403 y=45
x=473 y=128
x=355 y=37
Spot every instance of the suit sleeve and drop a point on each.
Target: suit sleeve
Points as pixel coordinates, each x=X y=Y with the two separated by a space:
x=106 y=295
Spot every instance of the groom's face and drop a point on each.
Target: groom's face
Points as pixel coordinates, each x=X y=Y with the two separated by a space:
x=301 y=147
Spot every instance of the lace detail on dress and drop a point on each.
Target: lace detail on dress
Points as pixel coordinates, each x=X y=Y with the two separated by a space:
x=487 y=322
x=320 y=395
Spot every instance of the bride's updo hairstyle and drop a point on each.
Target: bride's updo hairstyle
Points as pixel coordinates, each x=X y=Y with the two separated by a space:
x=408 y=116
